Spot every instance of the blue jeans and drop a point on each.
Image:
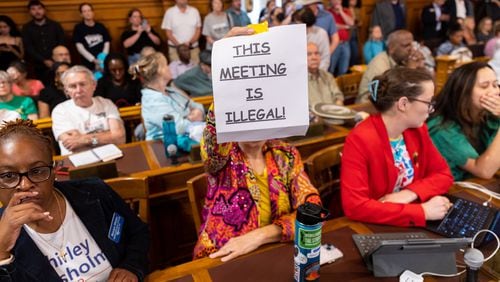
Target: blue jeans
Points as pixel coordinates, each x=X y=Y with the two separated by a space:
x=339 y=62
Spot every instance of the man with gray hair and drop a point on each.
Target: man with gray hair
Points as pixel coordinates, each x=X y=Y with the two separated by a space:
x=85 y=121
x=400 y=52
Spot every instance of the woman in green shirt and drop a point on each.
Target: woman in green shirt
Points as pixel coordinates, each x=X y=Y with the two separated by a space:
x=22 y=105
x=466 y=122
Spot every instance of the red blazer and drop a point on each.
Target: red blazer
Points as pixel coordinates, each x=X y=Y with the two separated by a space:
x=368 y=173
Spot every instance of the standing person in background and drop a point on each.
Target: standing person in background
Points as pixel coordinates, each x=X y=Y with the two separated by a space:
x=435 y=20
x=391 y=171
x=159 y=99
x=324 y=20
x=353 y=7
x=459 y=10
x=265 y=13
x=315 y=34
x=90 y=37
x=21 y=85
x=466 y=124
x=216 y=24
x=182 y=25
x=8 y=101
x=339 y=63
x=138 y=35
x=11 y=43
x=53 y=94
x=390 y=15
x=237 y=16
x=375 y=44
x=40 y=36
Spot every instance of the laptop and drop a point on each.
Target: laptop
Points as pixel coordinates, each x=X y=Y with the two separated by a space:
x=465 y=218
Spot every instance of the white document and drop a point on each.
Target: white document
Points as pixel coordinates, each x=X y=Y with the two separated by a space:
x=103 y=153
x=108 y=152
x=260 y=85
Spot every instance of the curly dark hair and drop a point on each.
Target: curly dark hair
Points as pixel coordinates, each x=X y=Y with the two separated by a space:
x=26 y=128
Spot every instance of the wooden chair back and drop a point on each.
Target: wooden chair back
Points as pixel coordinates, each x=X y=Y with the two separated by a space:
x=323 y=168
x=197 y=190
x=349 y=84
x=135 y=192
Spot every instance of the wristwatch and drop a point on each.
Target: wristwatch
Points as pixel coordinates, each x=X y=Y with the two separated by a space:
x=93 y=141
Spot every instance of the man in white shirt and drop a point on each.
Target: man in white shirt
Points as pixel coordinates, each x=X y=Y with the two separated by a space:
x=182 y=25
x=85 y=121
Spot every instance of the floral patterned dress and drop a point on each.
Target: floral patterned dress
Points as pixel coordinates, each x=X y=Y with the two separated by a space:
x=231 y=204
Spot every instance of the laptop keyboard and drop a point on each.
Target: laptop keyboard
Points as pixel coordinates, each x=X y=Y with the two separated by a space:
x=367 y=242
x=464 y=220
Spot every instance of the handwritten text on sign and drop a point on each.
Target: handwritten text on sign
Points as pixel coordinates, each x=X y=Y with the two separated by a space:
x=260 y=85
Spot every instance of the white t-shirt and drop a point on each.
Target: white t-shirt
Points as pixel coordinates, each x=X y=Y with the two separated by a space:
x=6 y=115
x=182 y=25
x=67 y=116
x=82 y=259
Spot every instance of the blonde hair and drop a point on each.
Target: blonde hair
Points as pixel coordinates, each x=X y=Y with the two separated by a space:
x=146 y=68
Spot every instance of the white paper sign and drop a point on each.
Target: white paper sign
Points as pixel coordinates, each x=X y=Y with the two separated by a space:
x=260 y=85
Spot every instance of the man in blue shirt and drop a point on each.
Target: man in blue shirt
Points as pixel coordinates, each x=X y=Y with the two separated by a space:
x=238 y=17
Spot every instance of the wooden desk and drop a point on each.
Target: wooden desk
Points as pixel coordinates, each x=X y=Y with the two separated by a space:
x=257 y=267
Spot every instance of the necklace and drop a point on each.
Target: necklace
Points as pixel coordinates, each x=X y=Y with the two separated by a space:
x=61 y=252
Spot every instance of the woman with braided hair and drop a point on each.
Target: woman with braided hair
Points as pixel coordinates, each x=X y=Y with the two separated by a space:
x=391 y=172
x=62 y=230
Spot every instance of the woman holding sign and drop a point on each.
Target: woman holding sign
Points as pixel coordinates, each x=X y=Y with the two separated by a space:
x=253 y=191
x=391 y=171
x=61 y=231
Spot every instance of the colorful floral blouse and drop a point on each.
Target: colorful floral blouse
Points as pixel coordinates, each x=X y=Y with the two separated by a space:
x=231 y=203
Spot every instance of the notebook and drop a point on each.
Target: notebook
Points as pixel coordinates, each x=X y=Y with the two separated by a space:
x=99 y=154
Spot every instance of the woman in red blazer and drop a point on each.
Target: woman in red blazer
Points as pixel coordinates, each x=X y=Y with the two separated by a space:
x=391 y=171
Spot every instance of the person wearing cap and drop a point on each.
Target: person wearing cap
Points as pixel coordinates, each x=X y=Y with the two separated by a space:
x=198 y=80
x=324 y=20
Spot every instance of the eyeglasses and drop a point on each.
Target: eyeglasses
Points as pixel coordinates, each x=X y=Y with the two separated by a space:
x=430 y=105
x=10 y=179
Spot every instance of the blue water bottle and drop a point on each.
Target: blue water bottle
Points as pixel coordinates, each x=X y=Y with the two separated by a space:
x=308 y=225
x=169 y=133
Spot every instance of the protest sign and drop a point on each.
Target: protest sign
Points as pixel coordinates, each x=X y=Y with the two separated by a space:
x=260 y=85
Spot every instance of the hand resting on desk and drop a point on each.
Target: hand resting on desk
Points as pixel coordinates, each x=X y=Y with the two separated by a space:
x=248 y=242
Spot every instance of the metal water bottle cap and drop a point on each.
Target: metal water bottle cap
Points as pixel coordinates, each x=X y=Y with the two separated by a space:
x=168 y=117
x=311 y=214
